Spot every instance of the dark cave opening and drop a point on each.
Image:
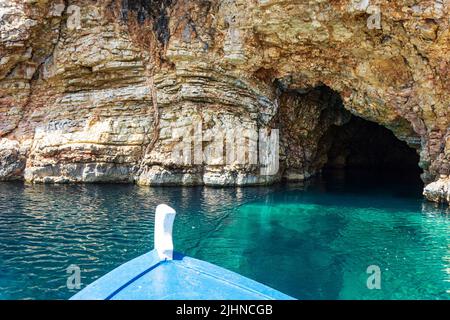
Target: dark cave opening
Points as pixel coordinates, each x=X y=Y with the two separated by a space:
x=321 y=136
x=364 y=146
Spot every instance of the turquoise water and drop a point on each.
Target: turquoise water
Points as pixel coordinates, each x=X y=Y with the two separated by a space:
x=312 y=241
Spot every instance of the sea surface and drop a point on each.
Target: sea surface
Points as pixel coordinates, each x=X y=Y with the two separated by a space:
x=339 y=236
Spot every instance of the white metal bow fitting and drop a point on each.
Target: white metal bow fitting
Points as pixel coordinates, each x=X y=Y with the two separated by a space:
x=164 y=217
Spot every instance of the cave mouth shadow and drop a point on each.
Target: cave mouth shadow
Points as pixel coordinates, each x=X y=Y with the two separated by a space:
x=364 y=149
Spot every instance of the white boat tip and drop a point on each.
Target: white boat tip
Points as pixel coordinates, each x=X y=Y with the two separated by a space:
x=165 y=209
x=164 y=218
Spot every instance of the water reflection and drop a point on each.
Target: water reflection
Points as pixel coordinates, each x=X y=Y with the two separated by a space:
x=313 y=240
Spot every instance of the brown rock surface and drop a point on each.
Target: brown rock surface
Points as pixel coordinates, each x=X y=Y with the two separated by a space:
x=98 y=100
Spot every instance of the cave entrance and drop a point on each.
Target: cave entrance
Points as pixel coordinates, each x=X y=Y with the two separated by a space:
x=361 y=146
x=319 y=134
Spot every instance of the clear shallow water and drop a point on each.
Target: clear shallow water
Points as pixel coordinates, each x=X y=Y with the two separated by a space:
x=311 y=241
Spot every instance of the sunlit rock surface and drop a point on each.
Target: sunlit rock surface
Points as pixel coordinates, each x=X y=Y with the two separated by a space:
x=438 y=191
x=93 y=92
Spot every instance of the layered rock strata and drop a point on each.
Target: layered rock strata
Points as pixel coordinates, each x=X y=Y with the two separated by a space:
x=107 y=91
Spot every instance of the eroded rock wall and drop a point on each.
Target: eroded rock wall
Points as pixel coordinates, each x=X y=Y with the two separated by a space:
x=96 y=99
x=304 y=119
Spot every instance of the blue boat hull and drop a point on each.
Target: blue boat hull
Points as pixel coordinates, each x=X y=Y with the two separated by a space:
x=183 y=278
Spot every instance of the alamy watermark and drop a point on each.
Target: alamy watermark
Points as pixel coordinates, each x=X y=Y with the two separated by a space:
x=73 y=12
x=374 y=10
x=374 y=20
x=232 y=146
x=374 y=280
x=74 y=279
x=368 y=6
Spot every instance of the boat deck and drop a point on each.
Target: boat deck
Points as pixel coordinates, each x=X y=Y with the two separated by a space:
x=183 y=278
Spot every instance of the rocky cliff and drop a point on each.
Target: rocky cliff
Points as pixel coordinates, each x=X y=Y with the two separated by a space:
x=96 y=91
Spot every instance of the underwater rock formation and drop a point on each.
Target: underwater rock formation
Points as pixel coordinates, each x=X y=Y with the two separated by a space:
x=93 y=91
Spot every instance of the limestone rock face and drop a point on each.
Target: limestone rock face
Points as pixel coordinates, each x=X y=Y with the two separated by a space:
x=12 y=160
x=304 y=120
x=438 y=191
x=111 y=90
